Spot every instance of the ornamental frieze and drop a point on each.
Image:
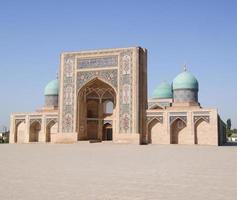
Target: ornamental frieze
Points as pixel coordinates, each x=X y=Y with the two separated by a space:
x=35 y=120
x=204 y=118
x=109 y=76
x=178 y=114
x=18 y=121
x=150 y=114
x=174 y=118
x=108 y=61
x=51 y=120
x=151 y=118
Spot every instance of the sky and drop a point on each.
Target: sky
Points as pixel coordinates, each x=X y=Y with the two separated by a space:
x=202 y=34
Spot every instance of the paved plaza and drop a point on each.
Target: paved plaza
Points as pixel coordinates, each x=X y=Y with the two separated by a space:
x=117 y=171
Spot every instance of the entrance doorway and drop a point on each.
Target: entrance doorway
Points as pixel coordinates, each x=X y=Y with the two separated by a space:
x=107 y=132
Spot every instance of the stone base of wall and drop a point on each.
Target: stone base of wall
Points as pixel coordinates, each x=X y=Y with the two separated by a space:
x=128 y=138
x=64 y=138
x=68 y=138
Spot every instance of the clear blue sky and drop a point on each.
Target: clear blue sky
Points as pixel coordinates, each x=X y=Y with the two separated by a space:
x=201 y=33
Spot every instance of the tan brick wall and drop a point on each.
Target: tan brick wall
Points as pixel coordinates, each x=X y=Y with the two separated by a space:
x=159 y=134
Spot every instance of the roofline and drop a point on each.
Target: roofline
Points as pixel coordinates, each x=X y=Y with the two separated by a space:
x=103 y=50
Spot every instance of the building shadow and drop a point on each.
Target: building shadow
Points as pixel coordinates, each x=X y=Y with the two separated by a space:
x=230 y=144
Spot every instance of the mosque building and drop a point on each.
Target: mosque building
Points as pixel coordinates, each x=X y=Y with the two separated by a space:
x=101 y=95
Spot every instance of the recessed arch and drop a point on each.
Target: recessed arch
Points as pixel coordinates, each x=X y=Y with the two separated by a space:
x=177 y=129
x=151 y=132
x=201 y=130
x=51 y=127
x=91 y=100
x=35 y=128
x=20 y=128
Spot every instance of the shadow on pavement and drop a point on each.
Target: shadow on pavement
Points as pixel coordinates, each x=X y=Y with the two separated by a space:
x=230 y=144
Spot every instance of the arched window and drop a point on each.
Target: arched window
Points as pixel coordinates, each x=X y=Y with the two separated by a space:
x=108 y=107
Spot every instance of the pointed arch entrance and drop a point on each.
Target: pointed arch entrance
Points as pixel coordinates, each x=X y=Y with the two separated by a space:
x=35 y=128
x=177 y=128
x=51 y=128
x=96 y=103
x=19 y=136
x=201 y=128
x=154 y=130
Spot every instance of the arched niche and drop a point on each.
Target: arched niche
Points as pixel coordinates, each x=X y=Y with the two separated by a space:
x=35 y=128
x=201 y=129
x=177 y=129
x=51 y=127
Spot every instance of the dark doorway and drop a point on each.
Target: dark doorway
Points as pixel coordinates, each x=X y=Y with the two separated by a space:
x=107 y=132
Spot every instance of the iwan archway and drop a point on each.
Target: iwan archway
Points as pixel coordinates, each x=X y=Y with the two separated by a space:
x=96 y=104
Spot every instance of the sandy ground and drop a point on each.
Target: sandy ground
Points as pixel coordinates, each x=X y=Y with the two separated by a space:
x=117 y=171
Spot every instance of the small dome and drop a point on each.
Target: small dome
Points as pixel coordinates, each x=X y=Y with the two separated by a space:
x=185 y=80
x=163 y=91
x=52 y=88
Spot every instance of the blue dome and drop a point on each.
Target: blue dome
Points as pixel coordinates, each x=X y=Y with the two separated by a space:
x=185 y=80
x=163 y=91
x=52 y=88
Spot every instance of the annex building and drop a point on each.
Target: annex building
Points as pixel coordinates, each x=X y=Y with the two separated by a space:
x=101 y=95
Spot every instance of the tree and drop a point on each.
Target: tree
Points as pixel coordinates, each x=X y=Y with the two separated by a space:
x=228 y=127
x=228 y=124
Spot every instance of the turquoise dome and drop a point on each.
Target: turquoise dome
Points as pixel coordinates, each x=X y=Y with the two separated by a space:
x=52 y=88
x=185 y=80
x=163 y=91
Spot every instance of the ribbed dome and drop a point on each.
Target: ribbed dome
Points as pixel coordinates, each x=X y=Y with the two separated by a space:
x=163 y=91
x=52 y=88
x=185 y=80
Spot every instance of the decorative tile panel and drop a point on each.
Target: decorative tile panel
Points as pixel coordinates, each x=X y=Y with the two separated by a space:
x=68 y=94
x=201 y=113
x=178 y=114
x=205 y=118
x=35 y=120
x=151 y=118
x=182 y=118
x=108 y=61
x=126 y=91
x=154 y=114
x=49 y=120
x=110 y=76
x=18 y=121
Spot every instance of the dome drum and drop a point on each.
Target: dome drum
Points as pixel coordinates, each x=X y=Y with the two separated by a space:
x=185 y=96
x=51 y=100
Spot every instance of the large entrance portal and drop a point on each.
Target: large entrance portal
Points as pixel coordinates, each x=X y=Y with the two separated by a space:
x=96 y=105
